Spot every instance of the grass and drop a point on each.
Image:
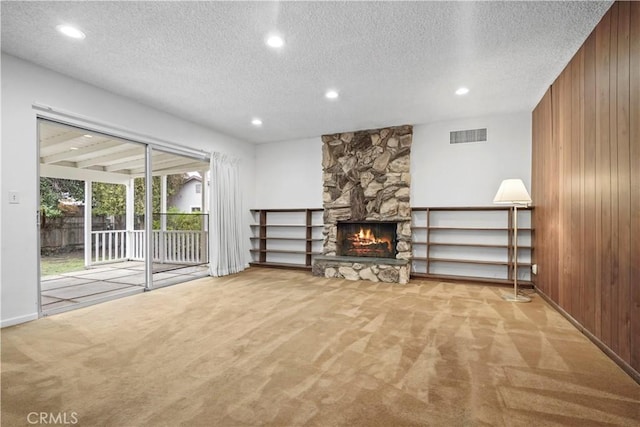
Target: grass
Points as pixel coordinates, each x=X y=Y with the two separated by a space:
x=58 y=264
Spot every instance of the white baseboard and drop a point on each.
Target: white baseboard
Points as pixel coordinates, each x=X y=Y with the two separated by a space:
x=17 y=320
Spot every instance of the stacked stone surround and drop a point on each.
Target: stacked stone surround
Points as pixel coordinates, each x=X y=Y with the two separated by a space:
x=366 y=177
x=360 y=268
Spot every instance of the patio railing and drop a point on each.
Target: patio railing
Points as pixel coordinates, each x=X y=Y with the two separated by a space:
x=137 y=245
x=180 y=247
x=175 y=246
x=109 y=245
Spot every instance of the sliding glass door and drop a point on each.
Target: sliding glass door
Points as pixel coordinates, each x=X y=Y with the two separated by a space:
x=117 y=217
x=90 y=247
x=180 y=217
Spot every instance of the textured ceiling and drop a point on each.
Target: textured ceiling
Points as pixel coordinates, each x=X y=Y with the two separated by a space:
x=393 y=62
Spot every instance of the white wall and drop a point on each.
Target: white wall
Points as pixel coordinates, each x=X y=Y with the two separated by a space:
x=444 y=174
x=23 y=84
x=289 y=174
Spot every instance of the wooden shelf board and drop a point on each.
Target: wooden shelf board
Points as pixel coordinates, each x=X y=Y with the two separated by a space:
x=478 y=228
x=280 y=251
x=470 y=228
x=279 y=225
x=469 y=261
x=288 y=210
x=467 y=208
x=472 y=245
x=280 y=265
x=286 y=238
x=490 y=280
x=287 y=225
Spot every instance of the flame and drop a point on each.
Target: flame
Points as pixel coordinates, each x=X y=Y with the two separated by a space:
x=366 y=237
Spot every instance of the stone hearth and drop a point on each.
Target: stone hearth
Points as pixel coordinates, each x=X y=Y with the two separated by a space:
x=360 y=268
x=366 y=176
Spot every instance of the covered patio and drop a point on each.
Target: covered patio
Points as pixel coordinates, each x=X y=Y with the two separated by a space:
x=64 y=291
x=117 y=260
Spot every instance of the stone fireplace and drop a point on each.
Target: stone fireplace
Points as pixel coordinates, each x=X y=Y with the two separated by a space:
x=366 y=199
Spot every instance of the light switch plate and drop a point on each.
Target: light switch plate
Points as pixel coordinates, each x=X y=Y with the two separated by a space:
x=14 y=197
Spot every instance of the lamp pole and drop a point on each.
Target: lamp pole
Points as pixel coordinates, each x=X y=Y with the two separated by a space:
x=513 y=192
x=515 y=252
x=515 y=297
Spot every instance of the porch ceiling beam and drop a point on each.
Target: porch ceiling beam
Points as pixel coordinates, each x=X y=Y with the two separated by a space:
x=113 y=159
x=188 y=167
x=64 y=172
x=138 y=164
x=71 y=154
x=171 y=171
x=179 y=161
x=162 y=164
x=135 y=163
x=106 y=151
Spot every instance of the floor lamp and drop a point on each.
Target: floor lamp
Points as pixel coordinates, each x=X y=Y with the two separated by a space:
x=514 y=193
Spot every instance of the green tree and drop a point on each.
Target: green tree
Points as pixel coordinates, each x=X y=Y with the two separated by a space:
x=109 y=199
x=54 y=189
x=177 y=220
x=174 y=183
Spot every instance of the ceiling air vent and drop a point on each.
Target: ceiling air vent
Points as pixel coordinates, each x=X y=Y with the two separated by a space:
x=465 y=136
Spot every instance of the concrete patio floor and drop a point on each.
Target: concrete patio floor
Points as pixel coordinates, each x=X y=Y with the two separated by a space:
x=67 y=291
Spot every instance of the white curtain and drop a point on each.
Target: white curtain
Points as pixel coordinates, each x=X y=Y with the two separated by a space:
x=226 y=237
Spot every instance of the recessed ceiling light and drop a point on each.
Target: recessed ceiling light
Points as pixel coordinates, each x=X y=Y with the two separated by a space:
x=462 y=91
x=70 y=31
x=256 y=122
x=331 y=94
x=73 y=148
x=88 y=136
x=275 y=41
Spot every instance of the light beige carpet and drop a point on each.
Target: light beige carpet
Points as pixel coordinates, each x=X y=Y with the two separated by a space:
x=271 y=347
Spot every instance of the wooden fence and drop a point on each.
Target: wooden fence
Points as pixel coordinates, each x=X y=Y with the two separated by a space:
x=66 y=233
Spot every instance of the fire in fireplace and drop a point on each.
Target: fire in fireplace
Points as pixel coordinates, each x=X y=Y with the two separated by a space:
x=367 y=239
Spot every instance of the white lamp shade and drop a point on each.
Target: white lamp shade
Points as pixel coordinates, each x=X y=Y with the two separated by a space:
x=512 y=191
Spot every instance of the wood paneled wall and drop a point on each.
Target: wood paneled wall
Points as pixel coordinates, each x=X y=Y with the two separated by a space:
x=586 y=185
